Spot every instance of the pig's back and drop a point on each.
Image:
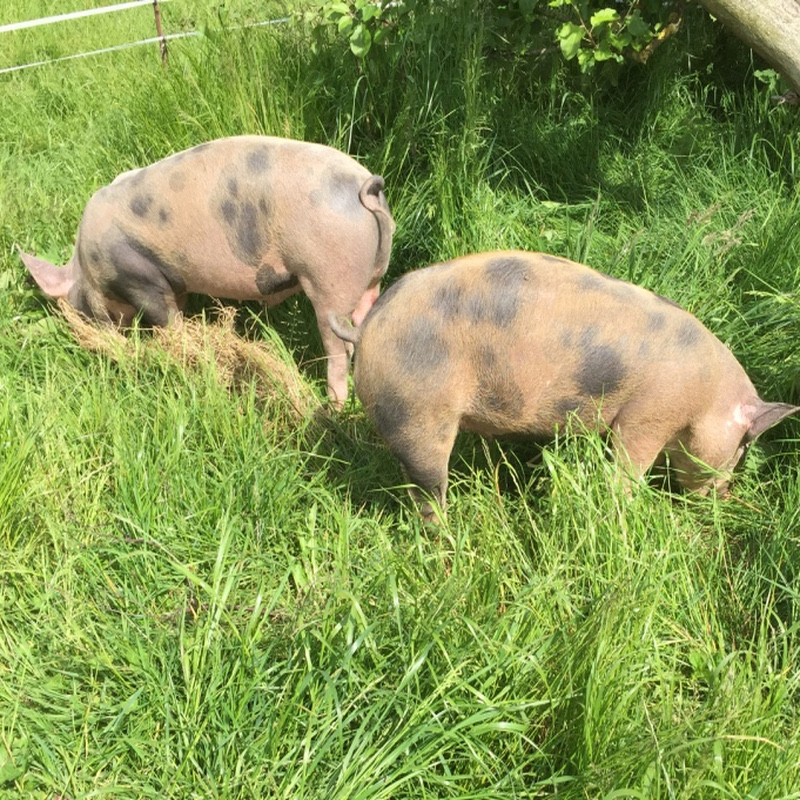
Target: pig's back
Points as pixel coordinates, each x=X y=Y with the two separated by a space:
x=514 y=341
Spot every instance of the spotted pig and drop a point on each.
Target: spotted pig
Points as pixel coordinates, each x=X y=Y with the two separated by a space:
x=514 y=342
x=241 y=218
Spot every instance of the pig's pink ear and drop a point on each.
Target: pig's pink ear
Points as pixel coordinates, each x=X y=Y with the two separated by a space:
x=764 y=415
x=54 y=281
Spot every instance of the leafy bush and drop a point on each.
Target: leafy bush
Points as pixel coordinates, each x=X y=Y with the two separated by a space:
x=591 y=31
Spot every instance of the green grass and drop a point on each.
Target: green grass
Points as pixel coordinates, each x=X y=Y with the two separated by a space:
x=199 y=599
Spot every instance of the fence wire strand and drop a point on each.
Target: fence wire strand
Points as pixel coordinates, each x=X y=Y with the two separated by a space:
x=124 y=46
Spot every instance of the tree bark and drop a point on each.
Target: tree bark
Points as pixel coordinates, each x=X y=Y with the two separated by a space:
x=770 y=27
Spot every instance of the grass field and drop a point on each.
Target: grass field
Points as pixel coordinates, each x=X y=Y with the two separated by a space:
x=203 y=595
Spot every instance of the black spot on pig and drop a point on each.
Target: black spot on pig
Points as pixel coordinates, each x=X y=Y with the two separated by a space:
x=164 y=216
x=601 y=370
x=601 y=282
x=567 y=406
x=510 y=270
x=177 y=181
x=134 y=178
x=392 y=413
x=229 y=210
x=248 y=236
x=448 y=300
x=140 y=204
x=176 y=158
x=242 y=216
x=506 y=279
x=591 y=282
x=498 y=301
x=689 y=334
x=485 y=359
x=271 y=281
x=182 y=262
x=504 y=307
x=422 y=349
x=341 y=192
x=655 y=322
x=343 y=182
x=498 y=396
x=257 y=161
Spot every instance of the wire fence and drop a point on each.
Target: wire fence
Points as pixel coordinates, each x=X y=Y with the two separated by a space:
x=161 y=38
x=89 y=12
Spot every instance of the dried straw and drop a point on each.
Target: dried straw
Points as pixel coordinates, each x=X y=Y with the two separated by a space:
x=197 y=344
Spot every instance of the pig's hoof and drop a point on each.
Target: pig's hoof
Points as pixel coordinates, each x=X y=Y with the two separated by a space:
x=432 y=515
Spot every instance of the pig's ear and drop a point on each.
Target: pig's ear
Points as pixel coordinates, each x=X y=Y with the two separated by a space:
x=764 y=415
x=54 y=281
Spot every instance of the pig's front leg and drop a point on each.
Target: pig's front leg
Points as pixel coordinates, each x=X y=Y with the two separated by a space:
x=637 y=441
x=142 y=281
x=420 y=432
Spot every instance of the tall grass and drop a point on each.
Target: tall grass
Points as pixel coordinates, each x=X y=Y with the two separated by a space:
x=199 y=598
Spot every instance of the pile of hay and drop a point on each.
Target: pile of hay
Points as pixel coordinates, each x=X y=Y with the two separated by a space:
x=197 y=344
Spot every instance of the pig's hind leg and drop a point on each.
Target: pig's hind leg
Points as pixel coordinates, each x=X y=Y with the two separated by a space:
x=339 y=303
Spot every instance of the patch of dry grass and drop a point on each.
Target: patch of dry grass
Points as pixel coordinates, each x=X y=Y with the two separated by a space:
x=196 y=344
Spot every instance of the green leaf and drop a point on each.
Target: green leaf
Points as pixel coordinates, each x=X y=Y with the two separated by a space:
x=369 y=11
x=527 y=7
x=345 y=25
x=620 y=41
x=586 y=59
x=605 y=53
x=637 y=27
x=360 y=41
x=768 y=76
x=604 y=16
x=335 y=10
x=570 y=36
x=12 y=768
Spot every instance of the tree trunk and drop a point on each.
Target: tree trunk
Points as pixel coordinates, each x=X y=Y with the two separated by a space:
x=770 y=27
